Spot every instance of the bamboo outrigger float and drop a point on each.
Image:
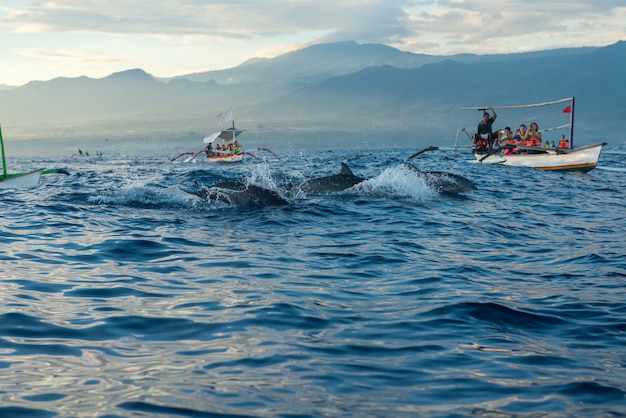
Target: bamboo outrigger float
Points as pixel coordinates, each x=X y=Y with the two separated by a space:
x=567 y=158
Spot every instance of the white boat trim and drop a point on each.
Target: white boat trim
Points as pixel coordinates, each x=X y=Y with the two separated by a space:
x=21 y=180
x=226 y=158
x=17 y=180
x=584 y=158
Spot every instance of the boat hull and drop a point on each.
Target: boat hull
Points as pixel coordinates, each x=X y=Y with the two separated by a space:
x=21 y=180
x=226 y=158
x=580 y=159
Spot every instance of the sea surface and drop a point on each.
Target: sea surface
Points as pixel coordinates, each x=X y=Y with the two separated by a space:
x=122 y=295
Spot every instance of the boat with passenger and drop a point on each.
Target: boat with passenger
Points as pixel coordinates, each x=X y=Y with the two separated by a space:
x=227 y=147
x=520 y=152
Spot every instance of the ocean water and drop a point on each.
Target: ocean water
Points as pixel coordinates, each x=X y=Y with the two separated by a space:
x=124 y=296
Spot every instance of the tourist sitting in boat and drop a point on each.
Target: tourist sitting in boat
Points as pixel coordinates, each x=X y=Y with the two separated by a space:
x=506 y=140
x=237 y=147
x=563 y=143
x=521 y=138
x=534 y=136
x=485 y=131
x=503 y=136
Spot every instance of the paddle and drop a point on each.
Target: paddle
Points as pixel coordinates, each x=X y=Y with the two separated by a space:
x=422 y=151
x=485 y=156
x=496 y=151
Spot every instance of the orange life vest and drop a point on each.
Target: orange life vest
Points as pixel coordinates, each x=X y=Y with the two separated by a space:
x=533 y=141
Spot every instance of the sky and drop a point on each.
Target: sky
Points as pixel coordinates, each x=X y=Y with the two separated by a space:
x=45 y=39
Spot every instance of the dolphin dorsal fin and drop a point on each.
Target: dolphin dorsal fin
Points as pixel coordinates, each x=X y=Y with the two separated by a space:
x=345 y=170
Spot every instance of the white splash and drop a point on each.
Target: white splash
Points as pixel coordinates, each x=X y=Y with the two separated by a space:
x=398 y=183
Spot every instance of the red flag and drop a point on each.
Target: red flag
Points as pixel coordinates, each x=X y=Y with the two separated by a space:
x=568 y=109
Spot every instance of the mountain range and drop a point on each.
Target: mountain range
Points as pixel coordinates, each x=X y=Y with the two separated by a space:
x=357 y=92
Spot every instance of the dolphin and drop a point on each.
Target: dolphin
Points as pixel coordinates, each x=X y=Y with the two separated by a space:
x=329 y=184
x=239 y=193
x=444 y=182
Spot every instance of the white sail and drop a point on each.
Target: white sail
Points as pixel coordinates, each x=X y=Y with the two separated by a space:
x=209 y=139
x=225 y=117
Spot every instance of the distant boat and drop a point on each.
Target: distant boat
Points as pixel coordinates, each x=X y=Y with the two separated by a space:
x=227 y=149
x=563 y=158
x=22 y=180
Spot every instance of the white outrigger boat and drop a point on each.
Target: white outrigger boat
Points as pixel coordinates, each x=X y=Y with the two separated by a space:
x=228 y=149
x=569 y=158
x=22 y=180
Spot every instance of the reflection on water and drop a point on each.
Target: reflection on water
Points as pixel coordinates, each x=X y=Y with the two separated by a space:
x=123 y=295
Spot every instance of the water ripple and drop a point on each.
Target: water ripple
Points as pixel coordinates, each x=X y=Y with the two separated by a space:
x=124 y=296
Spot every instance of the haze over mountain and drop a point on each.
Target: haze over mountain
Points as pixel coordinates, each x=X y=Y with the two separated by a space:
x=367 y=92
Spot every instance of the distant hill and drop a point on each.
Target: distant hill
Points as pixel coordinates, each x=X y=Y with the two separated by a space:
x=313 y=64
x=418 y=98
x=368 y=91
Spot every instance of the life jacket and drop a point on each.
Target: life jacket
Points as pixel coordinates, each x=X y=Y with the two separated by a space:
x=533 y=141
x=510 y=149
x=521 y=140
x=563 y=144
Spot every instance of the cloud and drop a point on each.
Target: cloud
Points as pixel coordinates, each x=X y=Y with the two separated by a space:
x=275 y=50
x=170 y=36
x=447 y=25
x=73 y=55
x=235 y=19
x=482 y=26
x=368 y=21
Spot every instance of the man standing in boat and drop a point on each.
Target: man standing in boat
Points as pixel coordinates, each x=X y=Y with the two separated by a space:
x=484 y=127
